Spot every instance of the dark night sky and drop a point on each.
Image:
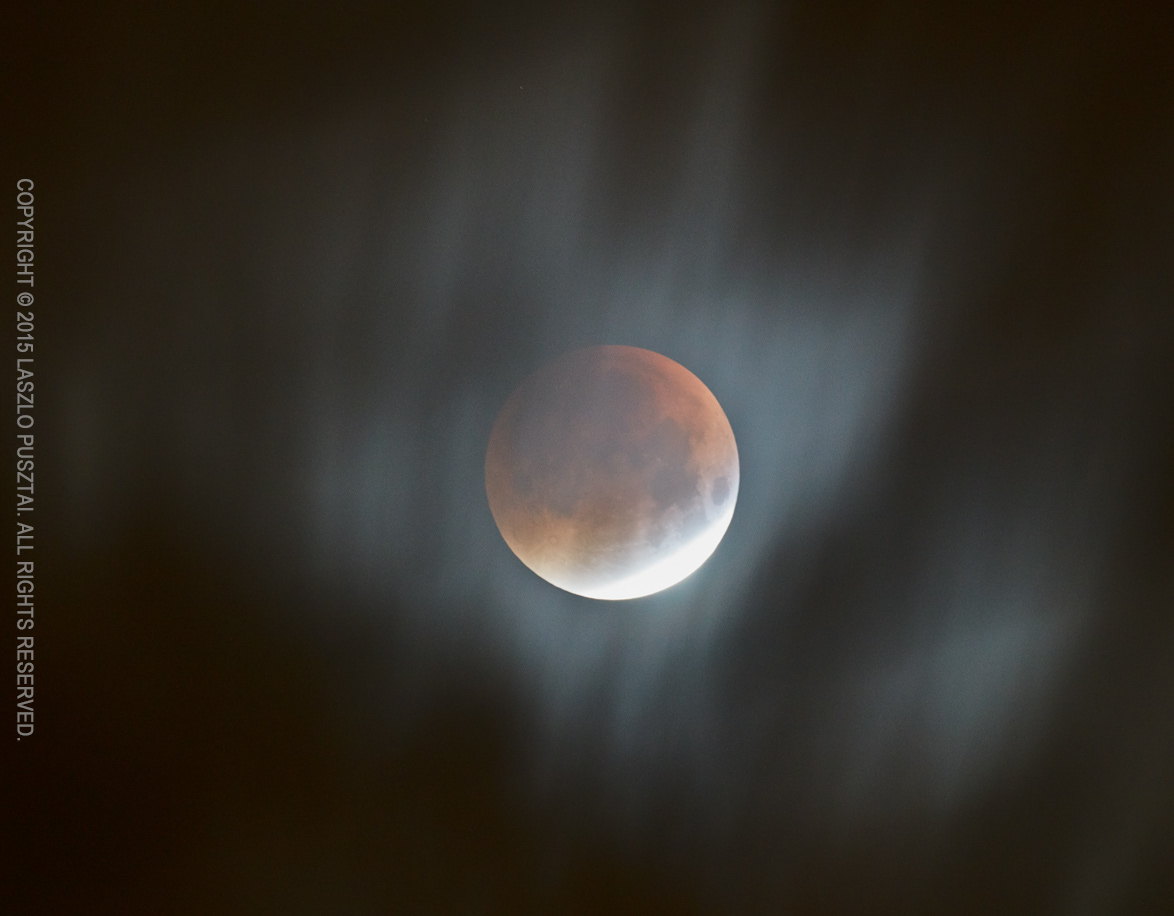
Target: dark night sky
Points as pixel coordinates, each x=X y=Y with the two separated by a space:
x=292 y=259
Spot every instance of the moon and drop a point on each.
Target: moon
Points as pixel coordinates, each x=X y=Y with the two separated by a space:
x=612 y=472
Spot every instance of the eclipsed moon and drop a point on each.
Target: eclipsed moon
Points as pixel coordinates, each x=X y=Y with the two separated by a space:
x=612 y=472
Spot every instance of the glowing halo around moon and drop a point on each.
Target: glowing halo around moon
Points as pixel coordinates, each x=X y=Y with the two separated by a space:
x=612 y=472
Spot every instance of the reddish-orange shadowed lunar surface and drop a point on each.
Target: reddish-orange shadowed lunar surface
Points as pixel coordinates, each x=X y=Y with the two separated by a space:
x=612 y=472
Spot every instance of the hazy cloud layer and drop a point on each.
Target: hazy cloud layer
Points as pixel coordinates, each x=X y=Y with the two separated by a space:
x=929 y=665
